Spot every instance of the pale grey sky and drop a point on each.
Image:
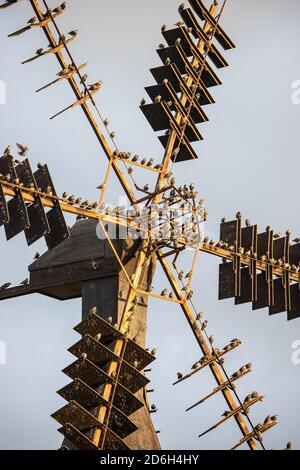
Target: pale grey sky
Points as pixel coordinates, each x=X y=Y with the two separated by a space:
x=249 y=161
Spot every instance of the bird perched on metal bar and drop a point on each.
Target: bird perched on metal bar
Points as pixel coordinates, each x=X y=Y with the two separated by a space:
x=60 y=9
x=73 y=33
x=25 y=282
x=8 y=150
x=40 y=51
x=5 y=286
x=96 y=86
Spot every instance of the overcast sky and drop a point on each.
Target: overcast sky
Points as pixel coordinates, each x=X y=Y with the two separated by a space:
x=249 y=161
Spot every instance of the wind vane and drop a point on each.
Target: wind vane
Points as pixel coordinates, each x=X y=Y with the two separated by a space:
x=108 y=399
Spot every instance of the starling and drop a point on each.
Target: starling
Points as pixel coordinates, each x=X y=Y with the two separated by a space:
x=7 y=151
x=73 y=33
x=23 y=150
x=32 y=20
x=5 y=286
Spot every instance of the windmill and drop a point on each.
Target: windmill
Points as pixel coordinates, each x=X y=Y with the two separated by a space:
x=108 y=406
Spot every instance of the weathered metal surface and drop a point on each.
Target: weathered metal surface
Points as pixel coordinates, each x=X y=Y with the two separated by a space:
x=58 y=228
x=228 y=232
x=4 y=216
x=95 y=377
x=198 y=33
x=246 y=288
x=205 y=15
x=226 y=281
x=88 y=398
x=77 y=438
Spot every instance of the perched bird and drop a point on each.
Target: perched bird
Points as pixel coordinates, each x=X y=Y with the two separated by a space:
x=25 y=282
x=163 y=28
x=96 y=86
x=226 y=413
x=150 y=162
x=146 y=187
x=37 y=255
x=84 y=78
x=98 y=337
x=32 y=20
x=154 y=352
x=73 y=33
x=204 y=325
x=5 y=286
x=144 y=161
x=143 y=102
x=289 y=446
x=179 y=375
x=84 y=356
x=164 y=293
x=109 y=320
x=248 y=223
x=153 y=408
x=199 y=316
x=40 y=51
x=112 y=135
x=211 y=340
x=181 y=275
x=60 y=9
x=7 y=151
